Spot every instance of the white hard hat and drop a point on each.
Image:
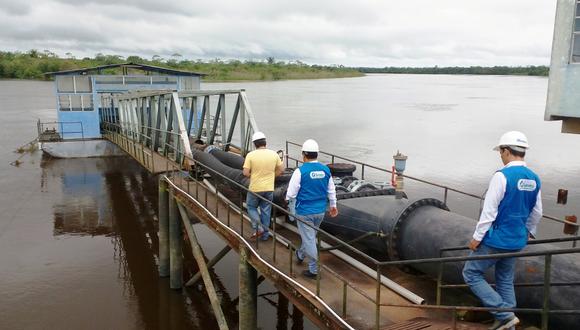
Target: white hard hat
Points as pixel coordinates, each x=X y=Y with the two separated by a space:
x=514 y=139
x=310 y=146
x=258 y=136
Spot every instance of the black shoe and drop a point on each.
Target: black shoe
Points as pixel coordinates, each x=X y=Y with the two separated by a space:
x=504 y=324
x=298 y=259
x=308 y=274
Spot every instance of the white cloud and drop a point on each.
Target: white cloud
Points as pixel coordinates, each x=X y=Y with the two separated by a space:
x=364 y=32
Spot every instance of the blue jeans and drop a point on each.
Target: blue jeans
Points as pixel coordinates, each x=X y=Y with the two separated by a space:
x=261 y=220
x=308 y=236
x=504 y=295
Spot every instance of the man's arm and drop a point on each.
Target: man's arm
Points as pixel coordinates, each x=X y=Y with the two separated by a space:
x=535 y=216
x=294 y=185
x=332 y=198
x=246 y=171
x=279 y=167
x=493 y=197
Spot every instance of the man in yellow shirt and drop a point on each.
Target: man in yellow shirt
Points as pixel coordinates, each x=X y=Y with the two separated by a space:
x=261 y=166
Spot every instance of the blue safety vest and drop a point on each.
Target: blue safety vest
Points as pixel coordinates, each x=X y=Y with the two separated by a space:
x=509 y=231
x=312 y=196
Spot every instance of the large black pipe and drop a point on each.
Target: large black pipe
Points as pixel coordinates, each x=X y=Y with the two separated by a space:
x=419 y=229
x=227 y=158
x=214 y=165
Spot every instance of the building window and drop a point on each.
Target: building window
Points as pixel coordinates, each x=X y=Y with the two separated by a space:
x=75 y=102
x=576 y=35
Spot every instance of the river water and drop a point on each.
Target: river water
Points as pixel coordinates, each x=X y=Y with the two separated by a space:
x=78 y=246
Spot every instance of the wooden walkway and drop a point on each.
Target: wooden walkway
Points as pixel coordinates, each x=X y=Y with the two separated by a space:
x=346 y=295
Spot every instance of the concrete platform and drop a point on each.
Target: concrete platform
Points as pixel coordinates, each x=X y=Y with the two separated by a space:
x=81 y=148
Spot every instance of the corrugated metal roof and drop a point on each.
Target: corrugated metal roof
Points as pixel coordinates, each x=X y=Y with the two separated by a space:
x=128 y=65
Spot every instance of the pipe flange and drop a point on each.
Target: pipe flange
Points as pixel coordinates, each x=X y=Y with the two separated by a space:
x=402 y=216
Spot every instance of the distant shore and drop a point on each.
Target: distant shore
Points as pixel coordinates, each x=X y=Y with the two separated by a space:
x=34 y=64
x=540 y=70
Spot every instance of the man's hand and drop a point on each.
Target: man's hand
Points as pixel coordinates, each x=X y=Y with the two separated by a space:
x=333 y=211
x=474 y=244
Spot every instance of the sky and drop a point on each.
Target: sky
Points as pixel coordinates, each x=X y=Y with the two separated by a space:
x=331 y=32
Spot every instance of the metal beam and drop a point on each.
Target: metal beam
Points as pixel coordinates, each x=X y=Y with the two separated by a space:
x=228 y=139
x=181 y=130
x=216 y=120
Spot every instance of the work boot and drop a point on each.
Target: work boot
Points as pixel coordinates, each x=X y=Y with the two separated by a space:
x=256 y=235
x=308 y=274
x=298 y=259
x=504 y=324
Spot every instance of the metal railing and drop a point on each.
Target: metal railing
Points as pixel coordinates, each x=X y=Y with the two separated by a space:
x=55 y=130
x=441 y=286
x=446 y=189
x=191 y=113
x=545 y=311
x=175 y=169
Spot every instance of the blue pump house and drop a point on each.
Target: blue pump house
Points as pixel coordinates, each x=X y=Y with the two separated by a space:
x=79 y=93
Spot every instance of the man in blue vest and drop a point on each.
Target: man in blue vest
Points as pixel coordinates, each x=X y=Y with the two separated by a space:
x=510 y=215
x=312 y=186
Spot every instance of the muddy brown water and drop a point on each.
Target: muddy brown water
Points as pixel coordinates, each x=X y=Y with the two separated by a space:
x=78 y=246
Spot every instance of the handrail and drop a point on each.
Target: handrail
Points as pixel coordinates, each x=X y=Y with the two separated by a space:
x=42 y=126
x=434 y=184
x=545 y=311
x=530 y=242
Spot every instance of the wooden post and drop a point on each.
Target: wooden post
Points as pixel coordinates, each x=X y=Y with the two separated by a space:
x=199 y=258
x=163 y=229
x=175 y=239
x=195 y=278
x=248 y=305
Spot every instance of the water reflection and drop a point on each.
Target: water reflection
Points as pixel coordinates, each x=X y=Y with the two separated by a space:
x=114 y=197
x=117 y=199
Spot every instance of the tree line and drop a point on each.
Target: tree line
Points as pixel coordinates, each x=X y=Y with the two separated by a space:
x=540 y=70
x=34 y=64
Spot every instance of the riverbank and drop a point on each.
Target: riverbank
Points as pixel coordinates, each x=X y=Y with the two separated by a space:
x=34 y=65
x=532 y=70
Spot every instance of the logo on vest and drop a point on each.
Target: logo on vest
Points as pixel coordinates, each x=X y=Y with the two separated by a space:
x=317 y=174
x=526 y=185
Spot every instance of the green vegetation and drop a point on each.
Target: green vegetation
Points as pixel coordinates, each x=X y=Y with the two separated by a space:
x=33 y=64
x=480 y=70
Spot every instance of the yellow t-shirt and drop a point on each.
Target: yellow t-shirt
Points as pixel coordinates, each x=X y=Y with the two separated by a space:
x=262 y=164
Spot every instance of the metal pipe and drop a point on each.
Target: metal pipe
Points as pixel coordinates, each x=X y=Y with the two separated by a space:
x=401 y=291
x=163 y=229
